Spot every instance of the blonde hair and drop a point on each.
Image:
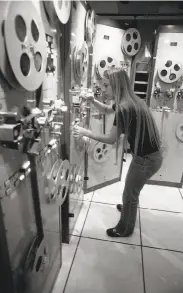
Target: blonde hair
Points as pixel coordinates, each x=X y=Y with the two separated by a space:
x=125 y=101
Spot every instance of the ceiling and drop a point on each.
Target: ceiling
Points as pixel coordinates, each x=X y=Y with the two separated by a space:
x=116 y=9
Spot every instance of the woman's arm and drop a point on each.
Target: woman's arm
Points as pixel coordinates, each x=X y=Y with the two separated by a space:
x=105 y=138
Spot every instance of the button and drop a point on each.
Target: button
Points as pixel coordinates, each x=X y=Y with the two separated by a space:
x=8 y=192
x=17 y=182
x=7 y=183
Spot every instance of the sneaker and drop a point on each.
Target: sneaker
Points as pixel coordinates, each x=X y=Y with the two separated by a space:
x=112 y=232
x=119 y=207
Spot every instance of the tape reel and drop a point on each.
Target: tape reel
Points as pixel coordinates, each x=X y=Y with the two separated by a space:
x=90 y=27
x=24 y=45
x=101 y=152
x=77 y=179
x=179 y=132
x=80 y=62
x=37 y=260
x=58 y=182
x=4 y=62
x=170 y=71
x=61 y=9
x=42 y=258
x=65 y=175
x=131 y=42
x=105 y=64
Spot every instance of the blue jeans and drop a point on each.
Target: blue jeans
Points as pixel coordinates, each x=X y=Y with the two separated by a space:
x=140 y=171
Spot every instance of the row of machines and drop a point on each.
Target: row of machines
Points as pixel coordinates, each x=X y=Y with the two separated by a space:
x=153 y=63
x=36 y=173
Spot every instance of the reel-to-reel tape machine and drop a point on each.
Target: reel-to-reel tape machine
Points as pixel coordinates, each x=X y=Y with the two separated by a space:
x=23 y=45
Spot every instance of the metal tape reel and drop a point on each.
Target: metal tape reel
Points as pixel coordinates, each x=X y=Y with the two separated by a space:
x=25 y=44
x=101 y=152
x=131 y=42
x=58 y=182
x=61 y=8
x=41 y=261
x=65 y=176
x=36 y=262
x=80 y=62
x=90 y=27
x=4 y=61
x=170 y=71
x=105 y=64
x=53 y=181
x=179 y=132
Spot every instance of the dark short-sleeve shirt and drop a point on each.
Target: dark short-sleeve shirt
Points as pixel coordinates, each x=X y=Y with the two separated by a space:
x=145 y=146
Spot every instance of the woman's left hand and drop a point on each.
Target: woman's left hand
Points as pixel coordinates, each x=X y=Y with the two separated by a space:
x=79 y=131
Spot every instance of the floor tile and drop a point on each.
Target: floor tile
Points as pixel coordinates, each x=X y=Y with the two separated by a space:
x=163 y=271
x=111 y=194
x=68 y=251
x=81 y=219
x=88 y=196
x=162 y=229
x=102 y=217
x=161 y=198
x=106 y=267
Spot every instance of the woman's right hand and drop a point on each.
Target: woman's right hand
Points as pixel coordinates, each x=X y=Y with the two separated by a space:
x=88 y=97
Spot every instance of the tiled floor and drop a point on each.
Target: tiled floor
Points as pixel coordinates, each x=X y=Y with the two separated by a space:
x=150 y=261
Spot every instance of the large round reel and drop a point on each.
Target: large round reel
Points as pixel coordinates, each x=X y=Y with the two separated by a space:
x=90 y=27
x=179 y=132
x=80 y=62
x=170 y=71
x=76 y=179
x=4 y=61
x=60 y=8
x=58 y=182
x=36 y=262
x=131 y=42
x=42 y=258
x=25 y=44
x=101 y=152
x=105 y=64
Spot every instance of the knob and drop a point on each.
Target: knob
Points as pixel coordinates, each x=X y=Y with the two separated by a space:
x=169 y=94
x=156 y=91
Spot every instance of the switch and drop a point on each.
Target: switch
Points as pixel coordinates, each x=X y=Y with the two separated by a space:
x=169 y=95
x=8 y=192
x=156 y=92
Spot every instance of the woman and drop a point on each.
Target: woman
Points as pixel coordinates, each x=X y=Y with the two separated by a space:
x=133 y=119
